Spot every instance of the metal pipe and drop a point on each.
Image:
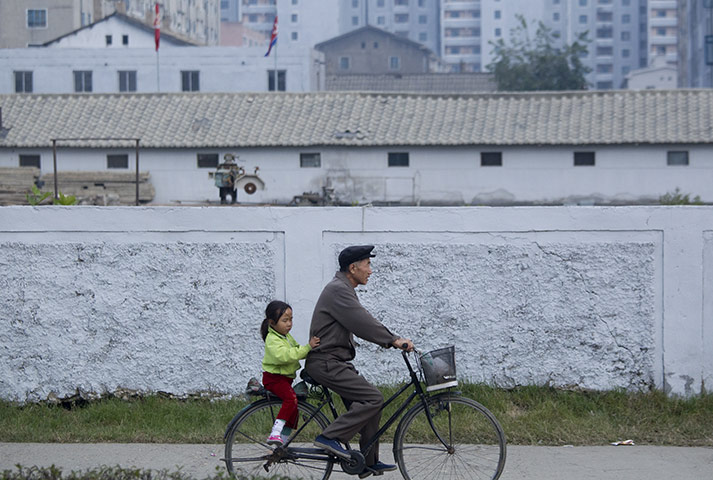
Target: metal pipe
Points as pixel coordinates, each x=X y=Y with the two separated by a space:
x=54 y=159
x=137 y=172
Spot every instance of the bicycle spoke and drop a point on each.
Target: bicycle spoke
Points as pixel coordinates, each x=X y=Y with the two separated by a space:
x=476 y=444
x=254 y=456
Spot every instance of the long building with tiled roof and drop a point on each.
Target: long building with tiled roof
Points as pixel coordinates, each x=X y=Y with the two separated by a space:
x=497 y=148
x=363 y=119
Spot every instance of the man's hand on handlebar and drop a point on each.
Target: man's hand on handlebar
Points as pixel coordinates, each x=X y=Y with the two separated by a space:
x=403 y=344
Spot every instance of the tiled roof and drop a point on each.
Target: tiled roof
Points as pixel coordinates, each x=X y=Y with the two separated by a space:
x=195 y=120
x=414 y=83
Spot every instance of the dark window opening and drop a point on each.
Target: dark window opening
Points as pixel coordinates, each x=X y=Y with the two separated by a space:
x=398 y=159
x=208 y=160
x=583 y=159
x=23 y=82
x=491 y=159
x=281 y=80
x=190 y=81
x=117 y=161
x=30 y=161
x=310 y=160
x=677 y=158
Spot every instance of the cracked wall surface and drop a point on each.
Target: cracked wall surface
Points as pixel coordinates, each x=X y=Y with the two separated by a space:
x=99 y=299
x=141 y=316
x=565 y=315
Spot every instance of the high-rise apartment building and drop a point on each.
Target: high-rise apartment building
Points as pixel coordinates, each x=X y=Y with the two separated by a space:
x=416 y=20
x=663 y=30
x=470 y=28
x=300 y=22
x=617 y=30
x=695 y=43
x=40 y=21
x=37 y=22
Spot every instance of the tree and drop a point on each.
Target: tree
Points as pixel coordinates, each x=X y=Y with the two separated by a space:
x=527 y=65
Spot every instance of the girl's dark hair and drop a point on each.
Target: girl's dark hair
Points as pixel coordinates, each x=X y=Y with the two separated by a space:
x=273 y=312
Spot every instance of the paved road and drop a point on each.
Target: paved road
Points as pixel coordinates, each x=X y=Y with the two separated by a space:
x=532 y=463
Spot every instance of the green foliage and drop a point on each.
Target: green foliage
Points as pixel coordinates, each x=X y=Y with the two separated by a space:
x=529 y=415
x=36 y=197
x=63 y=199
x=678 y=198
x=538 y=64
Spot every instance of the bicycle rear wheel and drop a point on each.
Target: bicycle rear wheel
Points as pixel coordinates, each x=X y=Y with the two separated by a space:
x=474 y=441
x=247 y=455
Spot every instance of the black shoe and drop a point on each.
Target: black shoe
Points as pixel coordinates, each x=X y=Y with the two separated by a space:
x=377 y=469
x=330 y=445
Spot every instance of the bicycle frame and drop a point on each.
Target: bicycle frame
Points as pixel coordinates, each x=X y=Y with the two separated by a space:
x=417 y=392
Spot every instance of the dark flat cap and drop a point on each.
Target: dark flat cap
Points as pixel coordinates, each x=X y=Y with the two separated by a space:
x=353 y=254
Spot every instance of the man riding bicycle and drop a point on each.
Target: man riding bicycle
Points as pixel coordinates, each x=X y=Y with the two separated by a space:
x=338 y=316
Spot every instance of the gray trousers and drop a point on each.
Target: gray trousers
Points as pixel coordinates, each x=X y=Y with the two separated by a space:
x=362 y=399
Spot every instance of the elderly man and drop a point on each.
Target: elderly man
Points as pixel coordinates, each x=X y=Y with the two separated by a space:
x=337 y=317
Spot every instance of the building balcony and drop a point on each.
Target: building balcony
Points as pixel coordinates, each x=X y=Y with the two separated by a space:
x=460 y=22
x=461 y=41
x=668 y=40
x=663 y=22
x=259 y=9
x=663 y=4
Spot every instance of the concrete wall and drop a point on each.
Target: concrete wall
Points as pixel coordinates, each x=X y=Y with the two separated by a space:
x=440 y=176
x=171 y=299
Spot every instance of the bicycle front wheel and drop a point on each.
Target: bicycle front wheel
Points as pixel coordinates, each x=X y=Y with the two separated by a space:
x=466 y=441
x=247 y=455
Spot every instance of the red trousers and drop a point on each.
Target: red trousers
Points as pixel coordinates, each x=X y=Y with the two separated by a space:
x=281 y=386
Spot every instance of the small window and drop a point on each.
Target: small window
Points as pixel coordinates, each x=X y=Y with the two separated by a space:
x=491 y=159
x=344 y=63
x=293 y=18
x=82 y=81
x=281 y=80
x=37 y=18
x=190 y=81
x=108 y=39
x=23 y=82
x=310 y=160
x=583 y=159
x=677 y=158
x=294 y=36
x=125 y=40
x=30 y=161
x=127 y=81
x=355 y=21
x=497 y=14
x=398 y=159
x=117 y=161
x=207 y=160
x=394 y=63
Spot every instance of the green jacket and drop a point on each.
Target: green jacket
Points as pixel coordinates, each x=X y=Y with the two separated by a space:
x=283 y=354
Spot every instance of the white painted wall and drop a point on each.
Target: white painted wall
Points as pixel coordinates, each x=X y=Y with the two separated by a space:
x=222 y=69
x=452 y=176
x=167 y=298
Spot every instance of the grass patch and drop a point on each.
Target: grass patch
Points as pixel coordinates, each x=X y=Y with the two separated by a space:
x=529 y=416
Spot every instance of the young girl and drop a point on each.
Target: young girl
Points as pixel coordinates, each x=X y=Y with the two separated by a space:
x=281 y=362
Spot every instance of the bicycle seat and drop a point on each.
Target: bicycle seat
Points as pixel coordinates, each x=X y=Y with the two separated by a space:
x=306 y=377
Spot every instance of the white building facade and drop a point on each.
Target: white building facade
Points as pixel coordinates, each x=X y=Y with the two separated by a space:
x=629 y=147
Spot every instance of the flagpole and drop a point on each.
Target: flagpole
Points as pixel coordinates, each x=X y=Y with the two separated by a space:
x=157 y=37
x=276 y=87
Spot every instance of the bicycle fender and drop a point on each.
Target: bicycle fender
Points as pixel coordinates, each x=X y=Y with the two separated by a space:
x=237 y=417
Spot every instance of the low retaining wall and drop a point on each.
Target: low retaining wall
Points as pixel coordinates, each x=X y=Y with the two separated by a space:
x=170 y=299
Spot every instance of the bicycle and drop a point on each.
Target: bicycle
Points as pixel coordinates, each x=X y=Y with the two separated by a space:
x=444 y=435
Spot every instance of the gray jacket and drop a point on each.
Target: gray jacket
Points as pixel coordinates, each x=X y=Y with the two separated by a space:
x=338 y=316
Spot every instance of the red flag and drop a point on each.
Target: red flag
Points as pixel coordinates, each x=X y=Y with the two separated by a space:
x=273 y=37
x=157 y=27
